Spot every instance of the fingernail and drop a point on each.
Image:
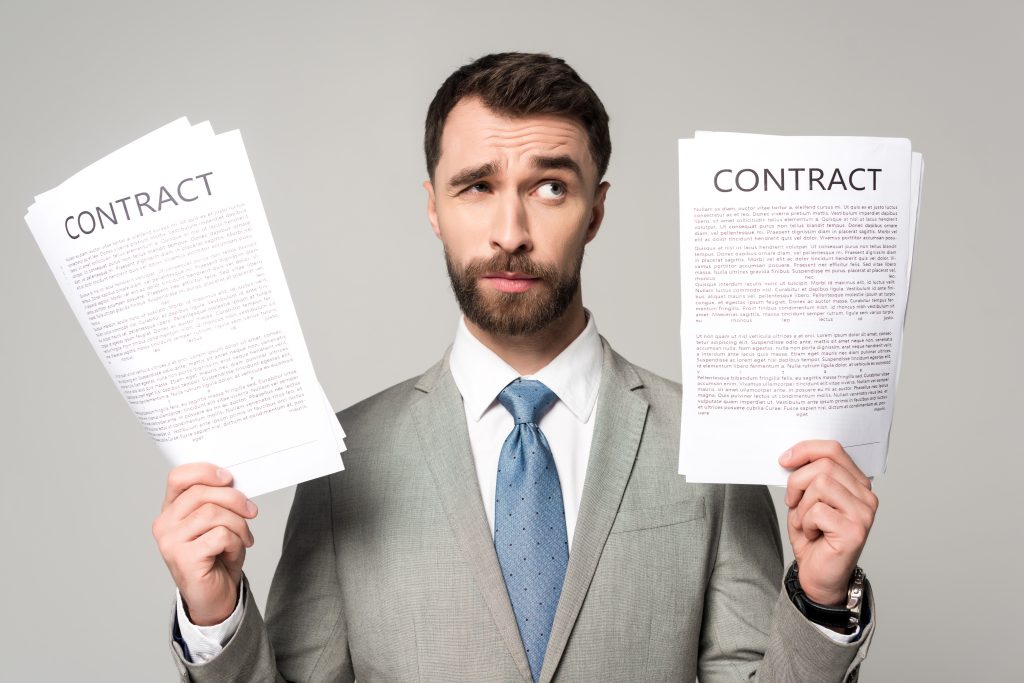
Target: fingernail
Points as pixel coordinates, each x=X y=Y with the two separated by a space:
x=250 y=507
x=222 y=474
x=784 y=458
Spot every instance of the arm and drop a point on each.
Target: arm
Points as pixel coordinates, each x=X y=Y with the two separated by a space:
x=831 y=511
x=751 y=629
x=305 y=611
x=305 y=640
x=248 y=656
x=203 y=643
x=202 y=532
x=743 y=589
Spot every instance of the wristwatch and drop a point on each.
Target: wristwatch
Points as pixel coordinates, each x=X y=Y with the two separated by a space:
x=856 y=611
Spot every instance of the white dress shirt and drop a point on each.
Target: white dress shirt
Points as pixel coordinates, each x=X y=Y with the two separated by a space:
x=574 y=376
x=480 y=375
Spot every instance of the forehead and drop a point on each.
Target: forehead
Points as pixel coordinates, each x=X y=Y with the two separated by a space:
x=474 y=134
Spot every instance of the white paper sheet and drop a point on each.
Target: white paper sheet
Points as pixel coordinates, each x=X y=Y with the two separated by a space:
x=795 y=262
x=165 y=255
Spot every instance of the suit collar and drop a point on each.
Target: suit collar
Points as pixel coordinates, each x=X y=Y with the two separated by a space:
x=441 y=423
x=621 y=415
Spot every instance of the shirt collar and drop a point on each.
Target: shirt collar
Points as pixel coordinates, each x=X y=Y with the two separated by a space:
x=574 y=375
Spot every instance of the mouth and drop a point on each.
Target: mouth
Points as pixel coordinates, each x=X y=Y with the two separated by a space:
x=509 y=281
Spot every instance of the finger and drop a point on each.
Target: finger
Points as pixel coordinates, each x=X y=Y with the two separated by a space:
x=840 y=533
x=182 y=477
x=795 y=528
x=801 y=479
x=836 y=496
x=821 y=520
x=831 y=492
x=210 y=516
x=221 y=541
x=809 y=451
x=199 y=494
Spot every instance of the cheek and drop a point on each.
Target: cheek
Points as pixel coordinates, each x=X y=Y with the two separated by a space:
x=453 y=223
x=466 y=217
x=559 y=238
x=463 y=236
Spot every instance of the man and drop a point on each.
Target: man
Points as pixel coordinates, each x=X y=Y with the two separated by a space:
x=515 y=512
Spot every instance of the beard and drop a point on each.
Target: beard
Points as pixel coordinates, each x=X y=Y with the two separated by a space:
x=513 y=313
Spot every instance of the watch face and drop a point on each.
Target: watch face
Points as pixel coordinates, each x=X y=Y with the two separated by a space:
x=854 y=600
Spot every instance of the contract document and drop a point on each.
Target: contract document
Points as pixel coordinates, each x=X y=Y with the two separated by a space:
x=164 y=253
x=795 y=259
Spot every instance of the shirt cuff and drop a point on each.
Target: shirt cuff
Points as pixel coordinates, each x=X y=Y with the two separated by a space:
x=841 y=638
x=206 y=642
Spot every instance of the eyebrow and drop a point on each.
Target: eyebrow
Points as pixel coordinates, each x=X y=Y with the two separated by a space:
x=468 y=176
x=564 y=161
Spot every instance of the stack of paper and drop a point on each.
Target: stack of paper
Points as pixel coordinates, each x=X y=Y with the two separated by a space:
x=165 y=255
x=795 y=262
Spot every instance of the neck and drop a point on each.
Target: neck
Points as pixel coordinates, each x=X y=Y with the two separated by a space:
x=528 y=353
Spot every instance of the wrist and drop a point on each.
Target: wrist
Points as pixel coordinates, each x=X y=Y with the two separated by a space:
x=214 y=613
x=843 y=617
x=833 y=598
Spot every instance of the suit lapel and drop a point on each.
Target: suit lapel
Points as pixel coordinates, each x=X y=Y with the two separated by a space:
x=621 y=414
x=441 y=422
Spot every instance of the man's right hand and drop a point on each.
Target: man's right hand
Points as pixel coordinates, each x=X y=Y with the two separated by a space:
x=202 y=534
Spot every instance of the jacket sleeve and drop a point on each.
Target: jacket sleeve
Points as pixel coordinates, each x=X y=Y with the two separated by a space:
x=751 y=629
x=304 y=636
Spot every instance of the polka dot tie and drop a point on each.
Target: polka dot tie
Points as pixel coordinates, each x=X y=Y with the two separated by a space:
x=529 y=518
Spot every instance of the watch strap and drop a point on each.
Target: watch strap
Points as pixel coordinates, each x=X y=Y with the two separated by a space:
x=855 y=612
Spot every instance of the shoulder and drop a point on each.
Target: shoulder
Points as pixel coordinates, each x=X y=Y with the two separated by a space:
x=660 y=392
x=625 y=387
x=662 y=428
x=384 y=420
x=660 y=389
x=382 y=447
x=389 y=402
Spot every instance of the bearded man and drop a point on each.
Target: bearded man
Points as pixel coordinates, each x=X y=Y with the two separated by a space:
x=515 y=513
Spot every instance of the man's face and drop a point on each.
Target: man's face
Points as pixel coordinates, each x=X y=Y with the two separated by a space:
x=514 y=201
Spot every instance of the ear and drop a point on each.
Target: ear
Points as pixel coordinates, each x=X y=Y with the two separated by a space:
x=432 y=208
x=597 y=211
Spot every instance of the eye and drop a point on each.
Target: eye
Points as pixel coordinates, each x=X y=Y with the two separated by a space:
x=476 y=188
x=551 y=190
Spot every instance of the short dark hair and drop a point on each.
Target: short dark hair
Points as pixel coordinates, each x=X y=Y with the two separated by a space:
x=520 y=84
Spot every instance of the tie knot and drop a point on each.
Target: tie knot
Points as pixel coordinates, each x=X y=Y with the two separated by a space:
x=527 y=399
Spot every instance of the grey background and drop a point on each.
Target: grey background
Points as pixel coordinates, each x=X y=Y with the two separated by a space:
x=330 y=99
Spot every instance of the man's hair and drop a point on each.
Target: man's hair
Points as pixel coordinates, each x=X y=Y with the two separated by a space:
x=518 y=84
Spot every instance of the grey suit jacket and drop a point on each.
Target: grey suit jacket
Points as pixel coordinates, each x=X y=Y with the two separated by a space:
x=388 y=570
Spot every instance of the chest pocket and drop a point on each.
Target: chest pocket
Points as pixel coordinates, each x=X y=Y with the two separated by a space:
x=679 y=512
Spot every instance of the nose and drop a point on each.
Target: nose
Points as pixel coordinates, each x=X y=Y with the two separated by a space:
x=509 y=229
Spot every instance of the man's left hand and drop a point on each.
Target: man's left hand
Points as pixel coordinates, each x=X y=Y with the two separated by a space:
x=831 y=510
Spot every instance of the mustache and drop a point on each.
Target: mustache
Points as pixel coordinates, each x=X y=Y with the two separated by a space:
x=509 y=263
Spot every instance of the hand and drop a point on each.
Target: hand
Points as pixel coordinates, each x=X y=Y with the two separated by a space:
x=202 y=534
x=831 y=510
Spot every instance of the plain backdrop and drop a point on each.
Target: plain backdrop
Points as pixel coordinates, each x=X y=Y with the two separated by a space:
x=330 y=98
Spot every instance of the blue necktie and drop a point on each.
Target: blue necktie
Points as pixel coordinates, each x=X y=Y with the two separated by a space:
x=529 y=519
